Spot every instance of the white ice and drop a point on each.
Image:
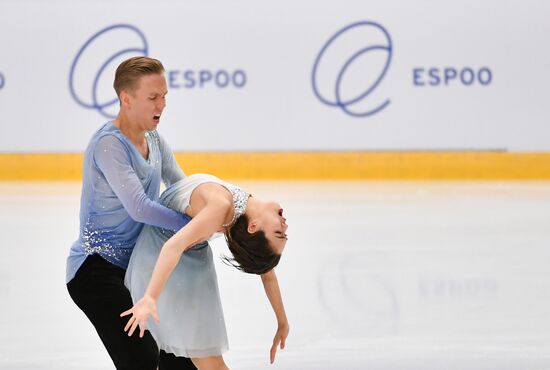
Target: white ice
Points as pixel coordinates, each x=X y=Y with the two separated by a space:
x=376 y=275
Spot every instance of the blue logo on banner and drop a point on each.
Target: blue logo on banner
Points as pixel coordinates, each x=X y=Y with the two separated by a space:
x=332 y=65
x=466 y=76
x=2 y=81
x=86 y=93
x=190 y=79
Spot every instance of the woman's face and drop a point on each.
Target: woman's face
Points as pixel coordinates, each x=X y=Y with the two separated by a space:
x=273 y=223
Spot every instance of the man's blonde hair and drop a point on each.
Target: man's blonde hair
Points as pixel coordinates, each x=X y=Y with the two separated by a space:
x=128 y=72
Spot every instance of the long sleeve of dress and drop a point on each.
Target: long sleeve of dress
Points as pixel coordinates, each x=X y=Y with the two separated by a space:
x=113 y=160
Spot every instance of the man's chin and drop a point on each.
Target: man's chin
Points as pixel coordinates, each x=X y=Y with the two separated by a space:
x=152 y=126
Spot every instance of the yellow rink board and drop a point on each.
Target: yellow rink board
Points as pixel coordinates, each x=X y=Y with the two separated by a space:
x=309 y=165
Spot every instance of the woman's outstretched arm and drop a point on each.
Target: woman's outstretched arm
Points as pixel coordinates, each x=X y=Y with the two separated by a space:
x=271 y=287
x=204 y=224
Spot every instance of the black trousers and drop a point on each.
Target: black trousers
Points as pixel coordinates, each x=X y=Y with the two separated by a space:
x=98 y=290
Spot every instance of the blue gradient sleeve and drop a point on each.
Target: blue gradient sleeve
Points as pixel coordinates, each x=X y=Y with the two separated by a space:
x=113 y=160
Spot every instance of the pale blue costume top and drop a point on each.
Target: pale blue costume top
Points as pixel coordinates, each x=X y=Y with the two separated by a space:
x=120 y=193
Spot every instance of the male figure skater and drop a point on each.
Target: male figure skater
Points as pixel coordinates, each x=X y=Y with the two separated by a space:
x=123 y=165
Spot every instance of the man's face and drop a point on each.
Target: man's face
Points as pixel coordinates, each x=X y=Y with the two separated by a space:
x=146 y=103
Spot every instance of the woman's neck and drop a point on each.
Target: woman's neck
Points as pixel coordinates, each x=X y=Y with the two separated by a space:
x=252 y=208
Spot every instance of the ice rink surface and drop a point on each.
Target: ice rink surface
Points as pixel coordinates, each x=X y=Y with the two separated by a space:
x=376 y=275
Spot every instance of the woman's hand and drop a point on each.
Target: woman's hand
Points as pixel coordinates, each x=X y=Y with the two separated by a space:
x=140 y=312
x=280 y=337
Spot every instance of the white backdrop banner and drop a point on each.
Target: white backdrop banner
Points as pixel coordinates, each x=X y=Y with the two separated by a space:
x=284 y=76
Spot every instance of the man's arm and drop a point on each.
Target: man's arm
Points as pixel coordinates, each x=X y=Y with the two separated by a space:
x=170 y=171
x=113 y=161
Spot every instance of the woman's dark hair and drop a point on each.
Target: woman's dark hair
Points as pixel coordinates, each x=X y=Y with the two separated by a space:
x=251 y=252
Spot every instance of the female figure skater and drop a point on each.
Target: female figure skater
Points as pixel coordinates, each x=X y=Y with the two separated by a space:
x=184 y=285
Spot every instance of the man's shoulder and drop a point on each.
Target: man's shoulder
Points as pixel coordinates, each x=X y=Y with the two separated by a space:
x=154 y=134
x=156 y=138
x=108 y=136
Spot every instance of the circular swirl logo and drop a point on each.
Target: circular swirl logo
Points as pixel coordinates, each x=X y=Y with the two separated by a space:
x=93 y=68
x=350 y=66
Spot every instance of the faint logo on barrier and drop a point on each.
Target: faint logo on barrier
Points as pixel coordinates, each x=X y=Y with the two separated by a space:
x=456 y=288
x=92 y=70
x=350 y=66
x=360 y=297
